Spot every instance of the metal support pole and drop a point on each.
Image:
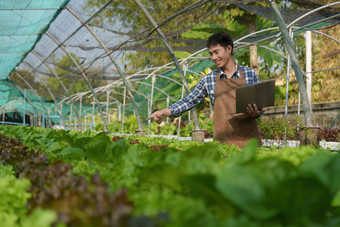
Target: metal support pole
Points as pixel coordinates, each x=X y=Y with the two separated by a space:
x=56 y=109
x=299 y=104
x=185 y=68
x=71 y=116
x=298 y=73
x=119 y=113
x=167 y=104
x=149 y=111
x=107 y=106
x=172 y=54
x=55 y=104
x=80 y=110
x=287 y=77
x=62 y=119
x=24 y=118
x=180 y=118
x=153 y=80
x=93 y=120
x=124 y=102
x=287 y=87
x=309 y=66
x=49 y=123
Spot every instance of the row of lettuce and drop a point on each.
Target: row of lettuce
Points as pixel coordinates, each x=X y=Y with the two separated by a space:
x=274 y=128
x=36 y=192
x=82 y=178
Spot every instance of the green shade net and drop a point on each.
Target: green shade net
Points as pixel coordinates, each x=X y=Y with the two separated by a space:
x=8 y=92
x=22 y=23
x=22 y=106
x=12 y=100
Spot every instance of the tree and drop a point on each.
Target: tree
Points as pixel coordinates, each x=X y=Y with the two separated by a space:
x=132 y=19
x=71 y=77
x=33 y=79
x=326 y=55
x=192 y=28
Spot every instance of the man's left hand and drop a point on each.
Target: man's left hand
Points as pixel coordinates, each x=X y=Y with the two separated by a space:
x=252 y=111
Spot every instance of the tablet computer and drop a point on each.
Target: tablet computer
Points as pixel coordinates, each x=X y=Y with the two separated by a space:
x=262 y=94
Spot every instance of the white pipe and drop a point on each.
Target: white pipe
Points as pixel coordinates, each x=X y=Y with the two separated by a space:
x=309 y=66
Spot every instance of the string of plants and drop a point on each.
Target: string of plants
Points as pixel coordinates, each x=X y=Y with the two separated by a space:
x=274 y=128
x=73 y=178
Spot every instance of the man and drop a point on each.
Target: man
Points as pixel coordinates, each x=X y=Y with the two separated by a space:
x=220 y=85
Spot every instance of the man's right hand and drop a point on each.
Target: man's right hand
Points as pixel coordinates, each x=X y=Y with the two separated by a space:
x=157 y=116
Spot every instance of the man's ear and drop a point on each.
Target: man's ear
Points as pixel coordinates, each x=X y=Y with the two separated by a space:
x=229 y=49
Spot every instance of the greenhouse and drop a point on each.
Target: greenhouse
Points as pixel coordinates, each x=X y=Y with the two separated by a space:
x=80 y=78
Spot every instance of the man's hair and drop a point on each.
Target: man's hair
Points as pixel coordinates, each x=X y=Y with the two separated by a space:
x=221 y=38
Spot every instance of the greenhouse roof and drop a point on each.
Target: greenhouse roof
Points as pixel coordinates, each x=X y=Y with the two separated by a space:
x=21 y=25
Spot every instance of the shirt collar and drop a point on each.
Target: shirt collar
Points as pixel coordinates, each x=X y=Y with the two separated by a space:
x=236 y=72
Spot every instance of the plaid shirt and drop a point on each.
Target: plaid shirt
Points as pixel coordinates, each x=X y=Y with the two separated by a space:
x=207 y=86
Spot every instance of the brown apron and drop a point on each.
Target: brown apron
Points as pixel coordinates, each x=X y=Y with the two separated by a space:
x=232 y=128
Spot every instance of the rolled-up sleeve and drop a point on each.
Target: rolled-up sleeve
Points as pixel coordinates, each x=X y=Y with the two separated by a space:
x=189 y=101
x=250 y=75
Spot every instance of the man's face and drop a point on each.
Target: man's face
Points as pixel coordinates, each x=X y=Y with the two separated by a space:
x=220 y=55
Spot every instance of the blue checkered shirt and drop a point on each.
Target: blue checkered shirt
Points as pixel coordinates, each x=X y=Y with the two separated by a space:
x=207 y=86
